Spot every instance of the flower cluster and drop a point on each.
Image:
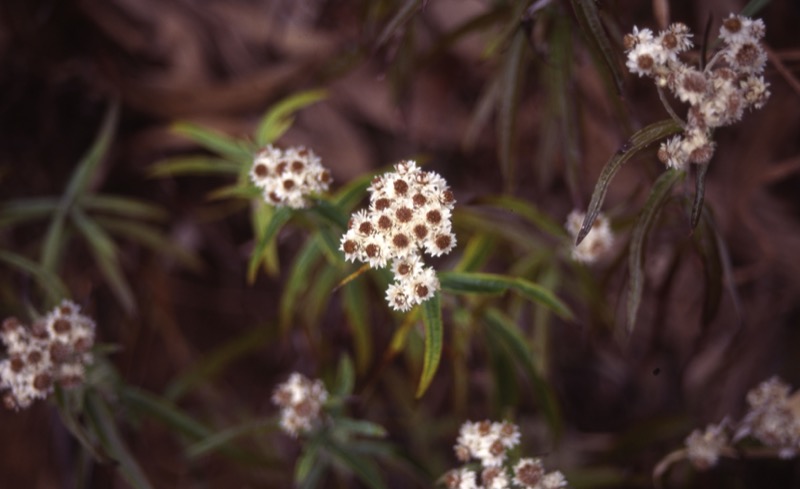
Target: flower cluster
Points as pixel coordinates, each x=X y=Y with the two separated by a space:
x=717 y=95
x=287 y=178
x=300 y=400
x=489 y=443
x=409 y=213
x=596 y=244
x=773 y=418
x=52 y=350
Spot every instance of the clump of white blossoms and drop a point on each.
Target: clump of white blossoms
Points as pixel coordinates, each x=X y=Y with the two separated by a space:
x=773 y=417
x=596 y=244
x=409 y=213
x=300 y=400
x=703 y=448
x=288 y=177
x=54 y=350
x=489 y=443
x=717 y=95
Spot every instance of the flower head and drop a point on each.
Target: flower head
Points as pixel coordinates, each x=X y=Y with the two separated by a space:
x=54 y=350
x=596 y=244
x=300 y=400
x=287 y=178
x=703 y=448
x=409 y=214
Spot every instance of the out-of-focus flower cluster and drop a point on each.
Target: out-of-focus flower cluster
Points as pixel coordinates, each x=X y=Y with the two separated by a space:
x=54 y=350
x=596 y=244
x=730 y=82
x=300 y=400
x=409 y=213
x=288 y=177
x=773 y=418
x=489 y=443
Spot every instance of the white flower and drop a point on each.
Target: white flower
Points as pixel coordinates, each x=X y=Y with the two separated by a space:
x=287 y=178
x=54 y=350
x=596 y=244
x=462 y=478
x=300 y=400
x=409 y=213
x=704 y=448
x=737 y=29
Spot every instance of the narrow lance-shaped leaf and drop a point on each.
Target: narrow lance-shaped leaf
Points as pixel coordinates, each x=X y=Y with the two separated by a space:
x=699 y=193
x=364 y=468
x=47 y=280
x=656 y=200
x=223 y=438
x=508 y=333
x=26 y=210
x=297 y=282
x=280 y=217
x=123 y=206
x=356 y=306
x=403 y=15
x=434 y=341
x=279 y=118
x=509 y=104
x=489 y=283
x=588 y=16
x=101 y=420
x=78 y=183
x=194 y=165
x=106 y=256
x=215 y=141
x=640 y=140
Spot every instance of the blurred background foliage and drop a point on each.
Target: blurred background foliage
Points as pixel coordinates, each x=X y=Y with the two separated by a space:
x=127 y=131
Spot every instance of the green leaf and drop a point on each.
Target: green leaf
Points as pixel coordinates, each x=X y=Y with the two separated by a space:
x=105 y=254
x=706 y=241
x=266 y=239
x=166 y=412
x=363 y=467
x=753 y=7
x=70 y=408
x=223 y=438
x=238 y=191
x=309 y=469
x=50 y=283
x=489 y=283
x=26 y=210
x=297 y=282
x=194 y=165
x=123 y=206
x=434 y=341
x=330 y=213
x=512 y=79
x=504 y=329
x=100 y=419
x=640 y=140
x=279 y=118
x=345 y=377
x=356 y=307
x=221 y=144
x=361 y=427
x=589 y=18
x=655 y=201
x=403 y=15
x=78 y=184
x=699 y=193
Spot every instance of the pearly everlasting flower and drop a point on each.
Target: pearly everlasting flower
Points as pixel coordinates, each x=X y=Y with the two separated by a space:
x=409 y=214
x=462 y=478
x=490 y=443
x=773 y=417
x=300 y=400
x=717 y=95
x=287 y=178
x=596 y=244
x=54 y=350
x=703 y=448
